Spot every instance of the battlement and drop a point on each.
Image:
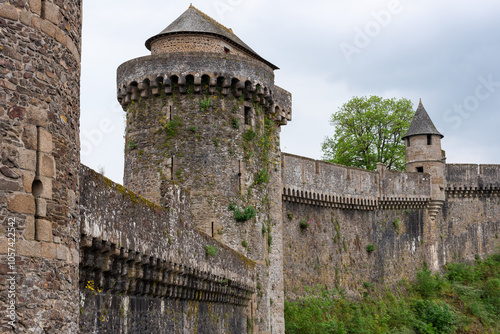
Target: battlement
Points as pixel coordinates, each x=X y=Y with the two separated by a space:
x=470 y=180
x=165 y=74
x=321 y=183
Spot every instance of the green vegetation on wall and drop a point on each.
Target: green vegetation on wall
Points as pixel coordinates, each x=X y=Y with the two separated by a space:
x=466 y=299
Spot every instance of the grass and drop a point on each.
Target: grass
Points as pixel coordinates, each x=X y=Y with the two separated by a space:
x=466 y=299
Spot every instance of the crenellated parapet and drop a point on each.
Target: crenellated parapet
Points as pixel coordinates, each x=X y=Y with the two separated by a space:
x=212 y=73
x=470 y=180
x=320 y=183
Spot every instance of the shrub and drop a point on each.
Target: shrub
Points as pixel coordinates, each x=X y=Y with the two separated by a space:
x=427 y=284
x=249 y=135
x=396 y=224
x=171 y=127
x=235 y=123
x=370 y=248
x=304 y=225
x=211 y=250
x=242 y=215
x=262 y=176
x=205 y=103
x=434 y=317
x=244 y=243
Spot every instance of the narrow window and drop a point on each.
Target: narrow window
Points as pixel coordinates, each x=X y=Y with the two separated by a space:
x=248 y=116
x=212 y=229
x=408 y=141
x=420 y=169
x=429 y=139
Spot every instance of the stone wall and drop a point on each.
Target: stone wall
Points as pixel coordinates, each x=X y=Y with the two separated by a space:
x=144 y=269
x=326 y=235
x=39 y=142
x=193 y=43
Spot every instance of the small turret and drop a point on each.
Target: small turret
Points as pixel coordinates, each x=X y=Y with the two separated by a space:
x=424 y=154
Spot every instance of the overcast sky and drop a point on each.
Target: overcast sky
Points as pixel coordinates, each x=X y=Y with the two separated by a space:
x=445 y=52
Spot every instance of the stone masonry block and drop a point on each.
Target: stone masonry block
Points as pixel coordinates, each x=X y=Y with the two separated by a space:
x=29 y=229
x=49 y=28
x=46 y=191
x=37 y=116
x=8 y=11
x=23 y=203
x=48 y=250
x=51 y=12
x=29 y=248
x=36 y=6
x=44 y=141
x=25 y=18
x=27 y=159
x=41 y=207
x=28 y=177
x=62 y=253
x=43 y=229
x=76 y=256
x=46 y=165
x=30 y=137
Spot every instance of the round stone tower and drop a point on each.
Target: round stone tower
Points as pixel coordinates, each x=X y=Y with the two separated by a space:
x=203 y=111
x=424 y=155
x=39 y=170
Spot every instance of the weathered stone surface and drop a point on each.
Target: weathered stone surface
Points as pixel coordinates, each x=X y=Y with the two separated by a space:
x=41 y=207
x=8 y=11
x=51 y=12
x=43 y=230
x=23 y=203
x=29 y=230
x=44 y=141
x=9 y=185
x=46 y=165
x=27 y=159
x=35 y=6
x=28 y=178
x=9 y=172
x=46 y=189
x=29 y=248
x=30 y=137
x=37 y=116
x=16 y=112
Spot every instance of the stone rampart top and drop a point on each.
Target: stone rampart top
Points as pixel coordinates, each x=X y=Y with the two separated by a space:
x=472 y=176
x=316 y=182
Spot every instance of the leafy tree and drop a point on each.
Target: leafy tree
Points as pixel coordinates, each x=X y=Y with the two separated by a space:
x=368 y=130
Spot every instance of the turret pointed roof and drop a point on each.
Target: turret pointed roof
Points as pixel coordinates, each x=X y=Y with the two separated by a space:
x=422 y=124
x=195 y=21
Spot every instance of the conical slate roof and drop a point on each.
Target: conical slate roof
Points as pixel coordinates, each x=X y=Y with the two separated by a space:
x=422 y=124
x=195 y=21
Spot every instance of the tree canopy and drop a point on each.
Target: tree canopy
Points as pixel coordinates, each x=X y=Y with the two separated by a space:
x=368 y=130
